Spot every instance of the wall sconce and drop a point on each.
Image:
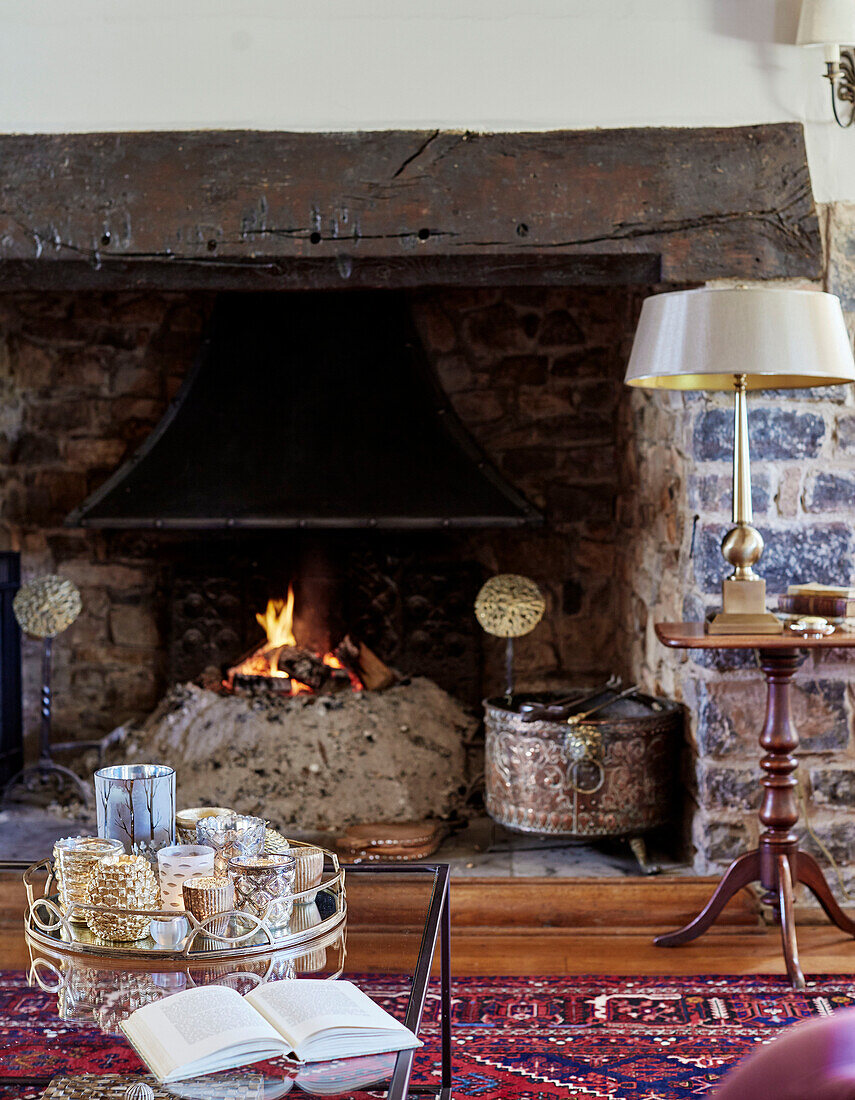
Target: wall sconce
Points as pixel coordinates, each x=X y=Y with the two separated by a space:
x=830 y=24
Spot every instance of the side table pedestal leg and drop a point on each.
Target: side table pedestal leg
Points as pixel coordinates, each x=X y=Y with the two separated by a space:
x=810 y=873
x=788 y=923
x=743 y=870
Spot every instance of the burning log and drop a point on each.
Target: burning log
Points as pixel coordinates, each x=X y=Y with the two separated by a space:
x=308 y=668
x=365 y=665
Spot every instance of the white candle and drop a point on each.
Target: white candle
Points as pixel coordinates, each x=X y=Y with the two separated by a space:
x=178 y=862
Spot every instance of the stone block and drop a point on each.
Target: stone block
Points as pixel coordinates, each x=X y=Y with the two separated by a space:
x=496 y=328
x=833 y=785
x=131 y=625
x=730 y=716
x=778 y=433
x=729 y=787
x=99 y=453
x=830 y=492
x=525 y=461
x=841 y=254
x=846 y=434
x=577 y=503
x=477 y=406
x=120 y=579
x=35 y=448
x=435 y=326
x=820 y=552
x=32 y=366
x=523 y=370
x=586 y=363
x=718 y=842
x=559 y=329
x=714 y=492
x=455 y=373
x=838 y=836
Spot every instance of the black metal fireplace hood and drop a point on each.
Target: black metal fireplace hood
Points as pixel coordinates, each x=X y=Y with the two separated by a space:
x=308 y=410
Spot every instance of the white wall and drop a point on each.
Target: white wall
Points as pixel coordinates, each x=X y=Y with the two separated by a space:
x=79 y=65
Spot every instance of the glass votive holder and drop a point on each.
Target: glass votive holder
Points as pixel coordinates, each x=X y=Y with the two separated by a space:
x=310 y=872
x=207 y=895
x=236 y=835
x=74 y=858
x=178 y=862
x=264 y=886
x=185 y=821
x=169 y=931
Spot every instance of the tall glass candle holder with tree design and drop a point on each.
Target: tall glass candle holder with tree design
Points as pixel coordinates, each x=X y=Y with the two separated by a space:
x=135 y=804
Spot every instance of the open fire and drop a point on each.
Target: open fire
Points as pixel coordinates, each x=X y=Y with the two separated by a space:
x=283 y=666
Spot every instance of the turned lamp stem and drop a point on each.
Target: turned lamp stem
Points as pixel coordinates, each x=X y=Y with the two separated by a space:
x=743 y=544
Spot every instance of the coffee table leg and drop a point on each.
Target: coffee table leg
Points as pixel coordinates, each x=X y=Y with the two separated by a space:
x=445 y=995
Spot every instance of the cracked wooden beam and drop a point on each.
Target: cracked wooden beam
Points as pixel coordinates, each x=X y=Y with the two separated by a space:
x=403 y=208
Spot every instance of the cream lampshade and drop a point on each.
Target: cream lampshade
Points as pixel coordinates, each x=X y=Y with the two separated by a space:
x=741 y=339
x=827 y=23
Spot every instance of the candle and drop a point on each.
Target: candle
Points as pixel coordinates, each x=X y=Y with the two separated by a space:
x=178 y=862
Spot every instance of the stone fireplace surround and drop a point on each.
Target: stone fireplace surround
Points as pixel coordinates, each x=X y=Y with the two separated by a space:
x=534 y=372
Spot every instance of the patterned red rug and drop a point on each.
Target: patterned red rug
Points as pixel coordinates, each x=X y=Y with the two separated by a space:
x=591 y=1038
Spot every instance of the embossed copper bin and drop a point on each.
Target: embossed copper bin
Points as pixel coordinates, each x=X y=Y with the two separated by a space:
x=613 y=775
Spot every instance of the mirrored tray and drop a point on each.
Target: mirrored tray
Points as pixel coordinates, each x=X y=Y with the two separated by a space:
x=316 y=913
x=104 y=991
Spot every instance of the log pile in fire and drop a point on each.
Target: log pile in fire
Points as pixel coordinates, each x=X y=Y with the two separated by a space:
x=281 y=666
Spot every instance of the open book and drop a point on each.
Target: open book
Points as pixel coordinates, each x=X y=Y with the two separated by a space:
x=213 y=1028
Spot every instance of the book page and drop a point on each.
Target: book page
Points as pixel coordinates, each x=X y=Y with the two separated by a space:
x=193 y=1025
x=301 y=1007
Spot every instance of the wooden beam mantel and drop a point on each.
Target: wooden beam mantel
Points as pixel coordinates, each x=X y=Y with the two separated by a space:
x=247 y=210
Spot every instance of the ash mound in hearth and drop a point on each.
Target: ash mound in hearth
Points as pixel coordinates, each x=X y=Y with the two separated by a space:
x=312 y=762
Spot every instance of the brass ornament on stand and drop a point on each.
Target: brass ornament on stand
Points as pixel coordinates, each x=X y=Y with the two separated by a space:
x=44 y=608
x=509 y=606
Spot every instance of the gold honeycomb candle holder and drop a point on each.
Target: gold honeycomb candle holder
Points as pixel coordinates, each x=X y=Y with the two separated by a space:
x=207 y=895
x=74 y=859
x=120 y=883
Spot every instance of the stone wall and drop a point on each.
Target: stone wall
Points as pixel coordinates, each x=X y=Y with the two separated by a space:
x=803 y=473
x=535 y=375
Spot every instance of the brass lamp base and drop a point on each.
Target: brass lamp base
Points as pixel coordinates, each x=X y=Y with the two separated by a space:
x=744 y=609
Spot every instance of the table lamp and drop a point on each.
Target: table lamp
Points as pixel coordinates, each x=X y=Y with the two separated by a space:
x=741 y=339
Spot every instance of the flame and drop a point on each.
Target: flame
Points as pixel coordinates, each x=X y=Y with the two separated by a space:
x=277 y=621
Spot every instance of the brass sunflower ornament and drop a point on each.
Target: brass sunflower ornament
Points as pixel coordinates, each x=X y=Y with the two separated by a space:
x=509 y=606
x=46 y=606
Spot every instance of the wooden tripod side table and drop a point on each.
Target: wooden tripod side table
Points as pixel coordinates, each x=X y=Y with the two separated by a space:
x=777 y=863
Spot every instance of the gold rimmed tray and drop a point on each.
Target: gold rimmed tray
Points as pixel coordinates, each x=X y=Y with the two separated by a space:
x=317 y=912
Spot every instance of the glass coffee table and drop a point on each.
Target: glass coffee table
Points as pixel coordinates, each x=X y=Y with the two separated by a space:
x=396 y=915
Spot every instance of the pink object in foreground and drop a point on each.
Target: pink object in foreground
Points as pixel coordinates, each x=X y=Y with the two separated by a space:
x=814 y=1060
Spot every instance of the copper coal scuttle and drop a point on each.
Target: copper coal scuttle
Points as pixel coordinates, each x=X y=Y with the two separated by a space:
x=585 y=764
x=582 y=765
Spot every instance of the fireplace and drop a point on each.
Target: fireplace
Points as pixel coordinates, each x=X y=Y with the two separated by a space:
x=522 y=261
